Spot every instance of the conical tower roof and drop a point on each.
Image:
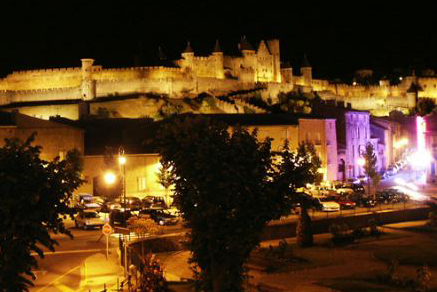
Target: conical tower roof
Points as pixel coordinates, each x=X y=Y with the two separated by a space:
x=217 y=48
x=414 y=88
x=305 y=62
x=161 y=55
x=188 y=49
x=245 y=45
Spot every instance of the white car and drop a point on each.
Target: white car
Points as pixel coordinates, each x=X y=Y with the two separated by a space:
x=328 y=204
x=88 y=219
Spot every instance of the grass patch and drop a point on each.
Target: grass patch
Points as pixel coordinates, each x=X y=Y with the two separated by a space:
x=417 y=254
x=298 y=259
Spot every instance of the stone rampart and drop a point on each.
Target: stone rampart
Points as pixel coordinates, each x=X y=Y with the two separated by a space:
x=7 y=97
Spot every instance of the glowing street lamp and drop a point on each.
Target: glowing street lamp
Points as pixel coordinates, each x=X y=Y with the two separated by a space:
x=110 y=177
x=361 y=161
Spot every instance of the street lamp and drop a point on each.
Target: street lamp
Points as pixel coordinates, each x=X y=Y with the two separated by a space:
x=122 y=165
x=110 y=177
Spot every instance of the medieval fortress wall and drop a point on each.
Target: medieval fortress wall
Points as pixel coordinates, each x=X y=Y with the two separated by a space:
x=216 y=74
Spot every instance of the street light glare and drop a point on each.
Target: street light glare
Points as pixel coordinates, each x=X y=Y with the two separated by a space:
x=361 y=161
x=122 y=160
x=110 y=177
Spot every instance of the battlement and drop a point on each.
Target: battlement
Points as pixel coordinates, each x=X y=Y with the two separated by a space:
x=51 y=70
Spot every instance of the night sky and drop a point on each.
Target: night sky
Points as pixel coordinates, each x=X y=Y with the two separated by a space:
x=337 y=39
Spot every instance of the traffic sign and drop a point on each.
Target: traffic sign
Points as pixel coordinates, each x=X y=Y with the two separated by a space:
x=106 y=229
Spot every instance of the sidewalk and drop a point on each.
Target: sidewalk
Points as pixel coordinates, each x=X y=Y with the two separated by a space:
x=98 y=271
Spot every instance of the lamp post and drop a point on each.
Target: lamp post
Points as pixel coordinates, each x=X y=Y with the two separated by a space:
x=121 y=164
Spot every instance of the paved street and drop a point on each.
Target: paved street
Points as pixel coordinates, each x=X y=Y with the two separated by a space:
x=75 y=264
x=66 y=269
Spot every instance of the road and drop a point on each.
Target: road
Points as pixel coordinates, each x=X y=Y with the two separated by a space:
x=69 y=268
x=64 y=270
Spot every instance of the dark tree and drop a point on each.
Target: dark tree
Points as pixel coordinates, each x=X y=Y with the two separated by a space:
x=425 y=106
x=297 y=169
x=34 y=195
x=165 y=178
x=370 y=163
x=228 y=188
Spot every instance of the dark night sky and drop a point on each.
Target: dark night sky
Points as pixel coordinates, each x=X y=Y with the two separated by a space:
x=337 y=39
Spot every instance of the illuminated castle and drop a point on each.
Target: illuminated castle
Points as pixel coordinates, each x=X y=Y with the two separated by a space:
x=50 y=92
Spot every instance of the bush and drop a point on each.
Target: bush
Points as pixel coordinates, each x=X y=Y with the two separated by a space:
x=341 y=234
x=358 y=232
x=284 y=251
x=152 y=276
x=373 y=227
x=423 y=278
x=432 y=216
x=142 y=226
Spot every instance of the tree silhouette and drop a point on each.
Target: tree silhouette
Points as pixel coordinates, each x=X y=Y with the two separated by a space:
x=34 y=199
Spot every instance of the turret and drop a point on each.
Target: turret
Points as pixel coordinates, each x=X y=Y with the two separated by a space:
x=217 y=54
x=413 y=95
x=88 y=91
x=188 y=53
x=187 y=61
x=249 y=57
x=287 y=72
x=275 y=51
x=306 y=71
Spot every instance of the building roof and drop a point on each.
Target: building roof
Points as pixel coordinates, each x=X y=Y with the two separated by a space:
x=103 y=133
x=305 y=62
x=414 y=88
x=245 y=45
x=188 y=49
x=7 y=119
x=217 y=48
x=255 y=119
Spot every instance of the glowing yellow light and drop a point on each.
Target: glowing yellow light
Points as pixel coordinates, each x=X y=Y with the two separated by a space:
x=122 y=160
x=110 y=177
x=361 y=161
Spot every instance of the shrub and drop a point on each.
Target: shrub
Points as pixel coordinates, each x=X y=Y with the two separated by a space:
x=142 y=226
x=423 y=278
x=152 y=276
x=432 y=216
x=373 y=227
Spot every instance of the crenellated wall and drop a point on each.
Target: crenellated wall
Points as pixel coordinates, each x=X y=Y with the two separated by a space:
x=216 y=74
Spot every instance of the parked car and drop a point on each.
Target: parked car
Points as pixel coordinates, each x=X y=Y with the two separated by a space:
x=358 y=189
x=391 y=170
x=88 y=219
x=362 y=201
x=119 y=216
x=154 y=202
x=160 y=216
x=85 y=201
x=391 y=196
x=328 y=204
x=345 y=203
x=345 y=189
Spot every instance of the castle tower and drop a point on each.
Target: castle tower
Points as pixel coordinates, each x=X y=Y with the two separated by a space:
x=249 y=57
x=188 y=58
x=306 y=71
x=287 y=73
x=217 y=54
x=275 y=51
x=88 y=88
x=413 y=95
